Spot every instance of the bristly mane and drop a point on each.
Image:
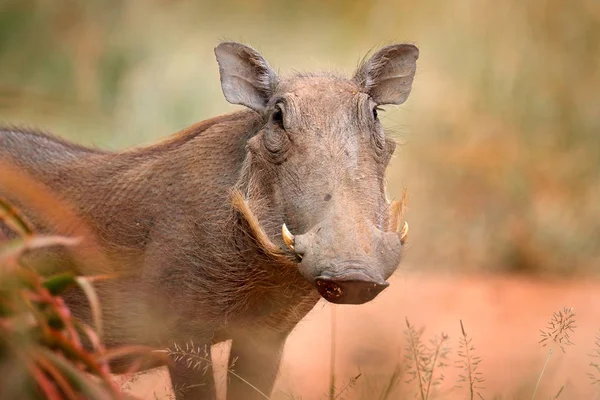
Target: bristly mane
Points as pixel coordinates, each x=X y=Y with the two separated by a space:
x=185 y=135
x=49 y=141
x=45 y=137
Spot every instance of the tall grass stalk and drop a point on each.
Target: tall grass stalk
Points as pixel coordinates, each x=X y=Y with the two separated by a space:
x=197 y=357
x=332 y=395
x=347 y=387
x=392 y=382
x=537 y=385
x=469 y=363
x=424 y=361
x=557 y=333
x=595 y=354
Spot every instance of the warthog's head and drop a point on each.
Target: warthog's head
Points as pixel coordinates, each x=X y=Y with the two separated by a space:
x=320 y=160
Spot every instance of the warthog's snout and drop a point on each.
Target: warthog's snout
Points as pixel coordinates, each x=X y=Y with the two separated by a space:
x=350 y=289
x=349 y=262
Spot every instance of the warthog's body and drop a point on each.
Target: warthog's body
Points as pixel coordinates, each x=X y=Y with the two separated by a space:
x=195 y=222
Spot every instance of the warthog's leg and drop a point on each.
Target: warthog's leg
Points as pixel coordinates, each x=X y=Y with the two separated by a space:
x=255 y=357
x=192 y=378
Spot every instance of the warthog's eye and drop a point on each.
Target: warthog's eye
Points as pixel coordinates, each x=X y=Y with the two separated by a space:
x=277 y=116
x=276 y=140
x=375 y=115
x=378 y=134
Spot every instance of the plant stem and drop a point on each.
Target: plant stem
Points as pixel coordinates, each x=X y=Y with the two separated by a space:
x=437 y=352
x=468 y=357
x=229 y=370
x=257 y=390
x=416 y=357
x=332 y=362
x=537 y=385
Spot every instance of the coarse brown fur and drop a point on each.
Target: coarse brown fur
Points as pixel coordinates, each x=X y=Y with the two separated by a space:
x=193 y=223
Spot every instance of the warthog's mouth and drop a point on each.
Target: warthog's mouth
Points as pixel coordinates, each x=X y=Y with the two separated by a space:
x=348 y=291
x=343 y=287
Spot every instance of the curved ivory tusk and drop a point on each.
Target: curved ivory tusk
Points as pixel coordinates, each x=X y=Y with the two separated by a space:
x=288 y=238
x=404 y=232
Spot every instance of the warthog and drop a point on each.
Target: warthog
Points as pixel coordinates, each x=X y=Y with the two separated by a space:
x=233 y=227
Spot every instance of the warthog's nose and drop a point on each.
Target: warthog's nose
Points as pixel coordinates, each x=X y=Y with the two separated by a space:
x=348 y=291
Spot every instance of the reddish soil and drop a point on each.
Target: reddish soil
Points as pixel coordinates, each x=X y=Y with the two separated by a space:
x=503 y=315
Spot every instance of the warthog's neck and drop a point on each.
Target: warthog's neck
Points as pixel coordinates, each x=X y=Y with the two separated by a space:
x=165 y=211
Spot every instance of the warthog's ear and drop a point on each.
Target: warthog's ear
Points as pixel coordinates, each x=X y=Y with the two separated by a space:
x=246 y=77
x=388 y=75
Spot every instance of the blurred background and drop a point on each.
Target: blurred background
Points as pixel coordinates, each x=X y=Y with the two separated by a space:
x=501 y=134
x=500 y=148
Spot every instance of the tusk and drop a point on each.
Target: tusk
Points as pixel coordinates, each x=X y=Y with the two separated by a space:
x=387 y=196
x=403 y=233
x=288 y=238
x=396 y=210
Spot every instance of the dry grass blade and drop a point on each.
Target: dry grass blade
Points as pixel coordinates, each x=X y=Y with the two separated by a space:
x=469 y=363
x=594 y=365
x=45 y=385
x=148 y=357
x=332 y=355
x=38 y=328
x=57 y=377
x=423 y=360
x=15 y=248
x=347 y=387
x=92 y=297
x=560 y=326
x=415 y=353
x=557 y=395
x=86 y=386
x=196 y=357
x=439 y=352
x=392 y=382
x=14 y=219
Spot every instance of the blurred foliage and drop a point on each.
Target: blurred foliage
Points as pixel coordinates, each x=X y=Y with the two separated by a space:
x=42 y=346
x=501 y=133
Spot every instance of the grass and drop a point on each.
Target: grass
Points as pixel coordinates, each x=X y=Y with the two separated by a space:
x=332 y=359
x=501 y=132
x=594 y=375
x=37 y=327
x=556 y=334
x=423 y=361
x=469 y=364
x=198 y=357
x=39 y=336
